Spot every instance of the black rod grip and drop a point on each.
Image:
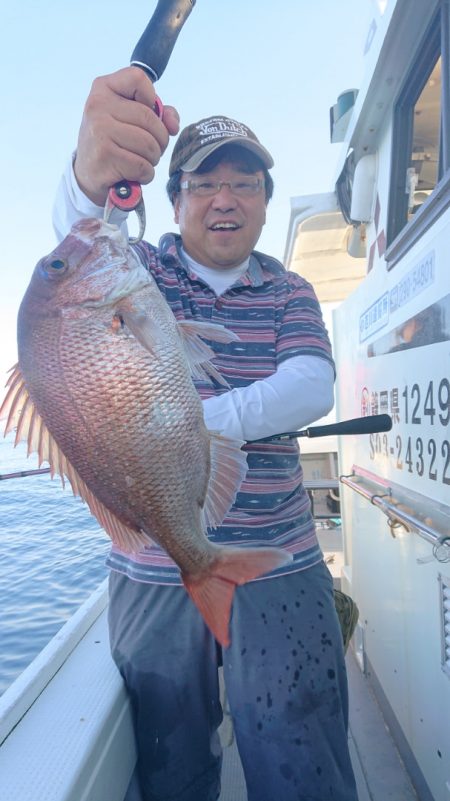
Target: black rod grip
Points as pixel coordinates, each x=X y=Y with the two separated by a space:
x=359 y=425
x=155 y=46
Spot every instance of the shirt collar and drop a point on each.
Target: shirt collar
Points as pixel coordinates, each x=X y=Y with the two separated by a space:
x=170 y=247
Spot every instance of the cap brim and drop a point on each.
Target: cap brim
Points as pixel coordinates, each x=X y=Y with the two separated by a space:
x=198 y=158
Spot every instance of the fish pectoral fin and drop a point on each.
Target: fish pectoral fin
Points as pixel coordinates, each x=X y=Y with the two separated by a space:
x=228 y=470
x=197 y=352
x=212 y=331
x=213 y=593
x=141 y=325
x=21 y=415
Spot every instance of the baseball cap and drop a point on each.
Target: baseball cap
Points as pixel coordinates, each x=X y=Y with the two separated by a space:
x=199 y=140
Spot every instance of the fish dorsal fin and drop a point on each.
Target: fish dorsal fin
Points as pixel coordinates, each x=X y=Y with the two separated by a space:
x=22 y=416
x=228 y=470
x=197 y=352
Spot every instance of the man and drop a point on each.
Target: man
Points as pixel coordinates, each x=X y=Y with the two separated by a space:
x=284 y=669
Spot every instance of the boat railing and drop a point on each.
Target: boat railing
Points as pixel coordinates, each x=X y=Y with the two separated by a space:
x=405 y=509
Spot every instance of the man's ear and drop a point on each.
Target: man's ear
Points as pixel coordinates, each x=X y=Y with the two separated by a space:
x=176 y=209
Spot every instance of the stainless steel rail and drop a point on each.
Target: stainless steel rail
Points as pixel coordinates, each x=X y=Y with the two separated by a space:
x=321 y=484
x=405 y=508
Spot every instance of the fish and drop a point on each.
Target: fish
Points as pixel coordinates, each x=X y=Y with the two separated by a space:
x=104 y=392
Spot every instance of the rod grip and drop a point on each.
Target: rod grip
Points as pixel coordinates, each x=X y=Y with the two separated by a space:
x=155 y=46
x=358 y=425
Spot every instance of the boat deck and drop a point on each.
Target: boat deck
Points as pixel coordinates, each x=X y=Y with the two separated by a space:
x=91 y=729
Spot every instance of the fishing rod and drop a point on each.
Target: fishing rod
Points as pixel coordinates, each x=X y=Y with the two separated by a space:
x=22 y=473
x=373 y=424
x=359 y=425
x=155 y=46
x=151 y=55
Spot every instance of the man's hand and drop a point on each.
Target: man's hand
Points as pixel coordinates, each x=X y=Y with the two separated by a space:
x=120 y=136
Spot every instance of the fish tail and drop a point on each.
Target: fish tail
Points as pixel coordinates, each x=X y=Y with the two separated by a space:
x=213 y=592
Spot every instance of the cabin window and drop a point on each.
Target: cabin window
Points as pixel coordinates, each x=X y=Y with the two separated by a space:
x=422 y=173
x=420 y=147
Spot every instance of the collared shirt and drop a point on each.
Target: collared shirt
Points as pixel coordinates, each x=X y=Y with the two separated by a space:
x=277 y=317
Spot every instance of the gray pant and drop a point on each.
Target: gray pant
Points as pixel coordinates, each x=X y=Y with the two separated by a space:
x=285 y=678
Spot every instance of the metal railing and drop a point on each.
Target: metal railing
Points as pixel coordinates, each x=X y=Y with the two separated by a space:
x=405 y=508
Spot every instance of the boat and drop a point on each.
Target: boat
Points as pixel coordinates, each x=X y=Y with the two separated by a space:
x=389 y=211
x=65 y=724
x=66 y=731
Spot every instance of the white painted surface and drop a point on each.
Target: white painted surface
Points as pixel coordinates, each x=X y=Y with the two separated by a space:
x=75 y=742
x=398 y=597
x=18 y=698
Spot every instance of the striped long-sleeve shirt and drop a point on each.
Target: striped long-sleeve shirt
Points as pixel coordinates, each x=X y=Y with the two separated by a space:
x=277 y=317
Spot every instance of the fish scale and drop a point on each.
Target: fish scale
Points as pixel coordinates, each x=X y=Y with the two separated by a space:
x=104 y=392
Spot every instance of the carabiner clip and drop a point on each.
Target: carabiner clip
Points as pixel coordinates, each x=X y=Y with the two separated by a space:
x=127 y=196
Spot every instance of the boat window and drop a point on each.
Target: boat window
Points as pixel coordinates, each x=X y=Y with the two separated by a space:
x=420 y=148
x=422 y=172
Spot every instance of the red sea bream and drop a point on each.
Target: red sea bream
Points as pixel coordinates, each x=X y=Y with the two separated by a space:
x=103 y=392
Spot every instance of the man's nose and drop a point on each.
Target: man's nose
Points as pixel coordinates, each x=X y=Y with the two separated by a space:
x=224 y=198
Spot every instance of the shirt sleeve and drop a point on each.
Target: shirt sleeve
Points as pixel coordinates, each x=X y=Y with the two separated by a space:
x=72 y=205
x=297 y=394
x=301 y=329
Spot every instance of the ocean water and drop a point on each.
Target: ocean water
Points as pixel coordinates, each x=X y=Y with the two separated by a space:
x=52 y=556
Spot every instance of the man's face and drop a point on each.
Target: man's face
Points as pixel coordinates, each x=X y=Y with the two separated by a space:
x=220 y=231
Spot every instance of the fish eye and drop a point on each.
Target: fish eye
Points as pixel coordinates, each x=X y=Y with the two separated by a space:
x=58 y=264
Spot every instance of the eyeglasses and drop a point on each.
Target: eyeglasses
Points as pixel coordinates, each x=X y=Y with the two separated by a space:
x=244 y=187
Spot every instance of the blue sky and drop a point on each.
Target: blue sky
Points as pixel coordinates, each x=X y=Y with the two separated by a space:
x=278 y=67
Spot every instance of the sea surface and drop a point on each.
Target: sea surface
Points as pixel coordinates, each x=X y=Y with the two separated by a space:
x=52 y=557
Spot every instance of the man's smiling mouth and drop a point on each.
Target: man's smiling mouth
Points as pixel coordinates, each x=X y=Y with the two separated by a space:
x=224 y=226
